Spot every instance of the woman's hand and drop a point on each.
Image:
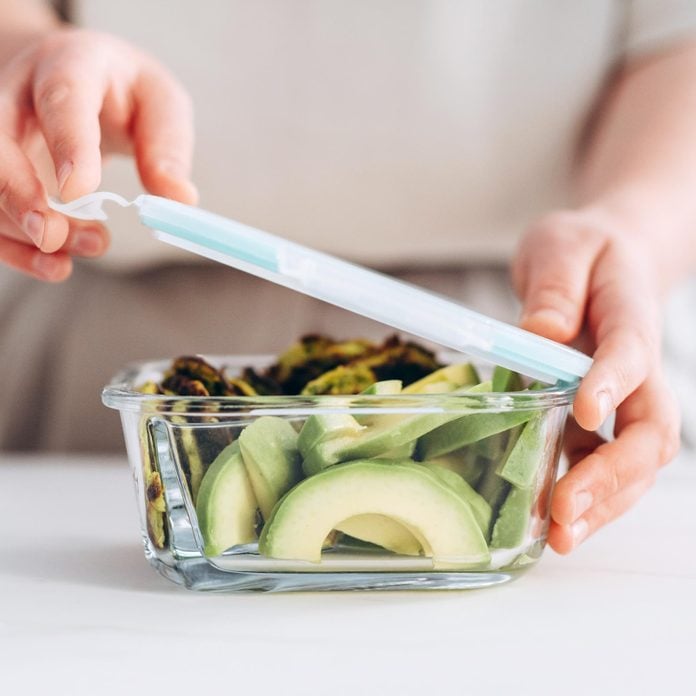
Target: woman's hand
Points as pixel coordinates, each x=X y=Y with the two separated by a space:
x=581 y=275
x=67 y=99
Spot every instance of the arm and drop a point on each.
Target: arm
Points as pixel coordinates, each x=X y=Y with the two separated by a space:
x=67 y=97
x=603 y=267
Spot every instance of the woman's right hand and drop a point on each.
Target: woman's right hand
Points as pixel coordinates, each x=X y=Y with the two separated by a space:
x=66 y=99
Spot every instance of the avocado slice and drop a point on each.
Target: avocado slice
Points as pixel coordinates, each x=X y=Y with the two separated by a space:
x=387 y=387
x=382 y=531
x=403 y=491
x=511 y=526
x=465 y=462
x=479 y=506
x=491 y=486
x=505 y=380
x=521 y=465
x=386 y=433
x=466 y=430
x=226 y=506
x=322 y=427
x=272 y=460
x=446 y=379
x=325 y=426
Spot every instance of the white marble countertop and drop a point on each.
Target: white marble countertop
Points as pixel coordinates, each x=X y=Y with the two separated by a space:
x=81 y=612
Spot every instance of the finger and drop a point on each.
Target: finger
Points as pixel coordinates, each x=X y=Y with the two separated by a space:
x=23 y=199
x=623 y=317
x=68 y=93
x=552 y=274
x=87 y=239
x=30 y=260
x=163 y=135
x=564 y=538
x=648 y=437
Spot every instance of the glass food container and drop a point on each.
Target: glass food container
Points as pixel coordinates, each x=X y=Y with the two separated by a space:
x=376 y=491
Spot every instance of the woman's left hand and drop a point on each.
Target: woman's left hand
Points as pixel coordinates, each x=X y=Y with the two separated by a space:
x=581 y=275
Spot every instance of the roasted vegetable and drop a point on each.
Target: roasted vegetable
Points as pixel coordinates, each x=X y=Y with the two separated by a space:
x=155 y=506
x=312 y=356
x=344 y=379
x=197 y=369
x=263 y=385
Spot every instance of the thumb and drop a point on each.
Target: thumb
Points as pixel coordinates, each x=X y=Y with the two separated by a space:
x=552 y=274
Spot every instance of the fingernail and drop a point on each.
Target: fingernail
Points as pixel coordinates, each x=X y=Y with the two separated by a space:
x=87 y=242
x=604 y=404
x=579 y=530
x=64 y=173
x=583 y=501
x=547 y=316
x=44 y=265
x=34 y=223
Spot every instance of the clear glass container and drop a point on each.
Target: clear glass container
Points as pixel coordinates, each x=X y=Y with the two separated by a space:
x=409 y=491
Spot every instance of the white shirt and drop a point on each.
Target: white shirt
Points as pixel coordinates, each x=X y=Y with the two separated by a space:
x=386 y=131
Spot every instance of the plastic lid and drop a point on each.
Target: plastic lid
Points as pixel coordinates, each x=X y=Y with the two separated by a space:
x=358 y=289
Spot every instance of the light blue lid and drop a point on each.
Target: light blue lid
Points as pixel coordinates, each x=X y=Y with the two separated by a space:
x=358 y=289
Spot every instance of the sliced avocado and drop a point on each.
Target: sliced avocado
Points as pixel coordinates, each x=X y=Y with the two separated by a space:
x=385 y=433
x=402 y=491
x=272 y=460
x=404 y=451
x=510 y=529
x=387 y=387
x=464 y=463
x=226 y=507
x=494 y=490
x=521 y=465
x=505 y=380
x=325 y=426
x=491 y=486
x=466 y=430
x=446 y=379
x=382 y=531
x=479 y=506
x=322 y=427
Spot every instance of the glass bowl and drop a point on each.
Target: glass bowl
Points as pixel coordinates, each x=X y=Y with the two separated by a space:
x=405 y=491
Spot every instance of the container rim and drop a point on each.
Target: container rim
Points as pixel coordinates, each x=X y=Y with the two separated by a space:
x=122 y=395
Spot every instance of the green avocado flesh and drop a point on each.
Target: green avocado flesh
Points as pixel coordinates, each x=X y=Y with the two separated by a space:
x=479 y=506
x=402 y=491
x=322 y=427
x=521 y=465
x=272 y=459
x=505 y=380
x=511 y=526
x=381 y=435
x=464 y=462
x=467 y=429
x=446 y=379
x=387 y=387
x=226 y=506
x=384 y=434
